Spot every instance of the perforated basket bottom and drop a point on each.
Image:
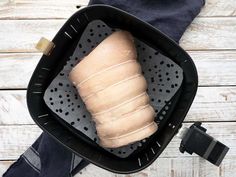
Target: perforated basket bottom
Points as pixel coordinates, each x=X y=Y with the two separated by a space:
x=163 y=76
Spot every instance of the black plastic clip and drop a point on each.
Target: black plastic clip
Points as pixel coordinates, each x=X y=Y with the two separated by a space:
x=196 y=140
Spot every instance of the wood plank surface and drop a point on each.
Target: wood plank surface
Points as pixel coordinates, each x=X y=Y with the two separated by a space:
x=163 y=167
x=15 y=139
x=214 y=68
x=172 y=167
x=210 y=104
x=53 y=9
x=217 y=8
x=210 y=41
x=39 y=9
x=203 y=34
x=210 y=33
x=22 y=35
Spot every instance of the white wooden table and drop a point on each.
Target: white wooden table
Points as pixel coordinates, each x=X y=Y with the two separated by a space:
x=210 y=40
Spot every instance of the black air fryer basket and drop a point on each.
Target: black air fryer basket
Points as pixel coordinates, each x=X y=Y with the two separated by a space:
x=49 y=67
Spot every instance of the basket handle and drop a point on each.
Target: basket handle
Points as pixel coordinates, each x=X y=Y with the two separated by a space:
x=196 y=140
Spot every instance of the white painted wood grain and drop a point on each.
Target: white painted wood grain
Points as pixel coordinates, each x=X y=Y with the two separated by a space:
x=210 y=104
x=13 y=108
x=214 y=68
x=172 y=167
x=22 y=36
x=16 y=69
x=210 y=33
x=39 y=9
x=15 y=139
x=203 y=34
x=42 y=9
x=215 y=8
x=163 y=167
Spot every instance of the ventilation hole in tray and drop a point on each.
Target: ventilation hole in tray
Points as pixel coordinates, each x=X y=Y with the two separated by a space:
x=161 y=117
x=88 y=40
x=60 y=84
x=86 y=128
x=67 y=113
x=80 y=45
x=84 y=116
x=50 y=98
x=152 y=79
x=78 y=119
x=95 y=139
x=72 y=123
